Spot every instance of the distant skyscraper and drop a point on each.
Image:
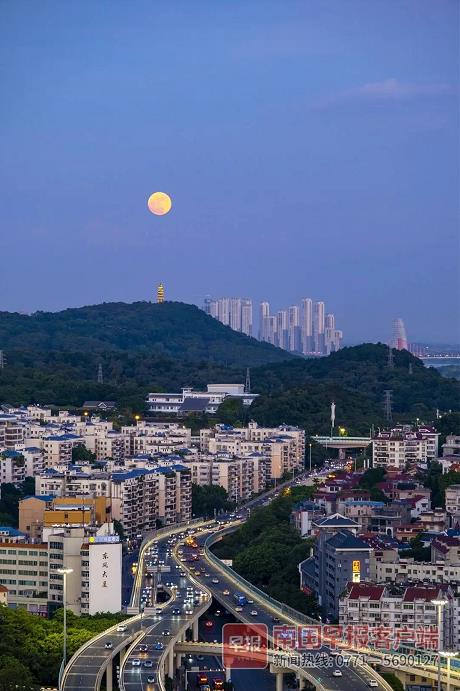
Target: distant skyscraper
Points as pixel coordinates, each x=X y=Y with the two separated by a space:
x=306 y=325
x=294 y=328
x=282 y=329
x=264 y=314
x=233 y=312
x=271 y=327
x=246 y=317
x=318 y=327
x=399 y=335
x=161 y=293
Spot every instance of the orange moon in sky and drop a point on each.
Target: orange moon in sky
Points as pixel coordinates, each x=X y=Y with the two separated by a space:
x=159 y=203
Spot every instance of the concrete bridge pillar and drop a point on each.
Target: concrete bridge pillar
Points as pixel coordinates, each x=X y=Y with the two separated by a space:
x=123 y=653
x=171 y=663
x=228 y=673
x=279 y=681
x=108 y=676
x=195 y=630
x=178 y=660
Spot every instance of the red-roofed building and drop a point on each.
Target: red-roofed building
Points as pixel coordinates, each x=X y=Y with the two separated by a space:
x=407 y=607
x=3 y=595
x=447 y=549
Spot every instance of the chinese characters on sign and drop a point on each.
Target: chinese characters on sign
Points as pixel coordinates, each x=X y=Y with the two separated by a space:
x=105 y=569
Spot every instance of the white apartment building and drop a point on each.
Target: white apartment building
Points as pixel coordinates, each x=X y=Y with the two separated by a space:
x=453 y=502
x=284 y=445
x=11 y=431
x=399 y=607
x=139 y=496
x=12 y=467
x=198 y=401
x=404 y=570
x=57 y=449
x=401 y=445
x=95 y=556
x=241 y=476
x=24 y=571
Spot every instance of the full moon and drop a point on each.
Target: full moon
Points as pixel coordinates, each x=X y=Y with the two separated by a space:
x=159 y=203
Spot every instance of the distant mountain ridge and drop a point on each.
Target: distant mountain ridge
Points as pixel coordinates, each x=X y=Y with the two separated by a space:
x=171 y=329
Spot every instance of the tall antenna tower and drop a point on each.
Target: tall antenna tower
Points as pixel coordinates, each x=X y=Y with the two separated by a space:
x=247 y=386
x=100 y=377
x=332 y=417
x=2 y=359
x=391 y=361
x=388 y=404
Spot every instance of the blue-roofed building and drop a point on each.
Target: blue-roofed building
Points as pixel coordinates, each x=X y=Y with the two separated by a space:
x=339 y=557
x=12 y=535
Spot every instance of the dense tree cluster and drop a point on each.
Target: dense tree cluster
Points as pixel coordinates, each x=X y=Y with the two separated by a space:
x=207 y=499
x=267 y=550
x=10 y=498
x=31 y=647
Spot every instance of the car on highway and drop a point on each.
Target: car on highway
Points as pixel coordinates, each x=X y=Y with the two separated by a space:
x=209 y=624
x=143 y=648
x=136 y=662
x=148 y=663
x=276 y=620
x=158 y=611
x=337 y=673
x=176 y=611
x=238 y=608
x=150 y=679
x=166 y=632
x=158 y=646
x=121 y=628
x=372 y=683
x=188 y=610
x=253 y=613
x=226 y=592
x=206 y=575
x=214 y=580
x=109 y=645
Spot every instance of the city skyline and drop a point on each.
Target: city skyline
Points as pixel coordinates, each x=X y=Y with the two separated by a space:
x=345 y=179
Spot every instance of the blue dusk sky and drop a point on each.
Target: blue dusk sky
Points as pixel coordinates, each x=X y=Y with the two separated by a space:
x=310 y=147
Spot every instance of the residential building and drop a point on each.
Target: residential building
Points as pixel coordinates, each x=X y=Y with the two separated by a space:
x=198 y=401
x=24 y=571
x=402 y=445
x=233 y=312
x=3 y=595
x=12 y=467
x=451 y=447
x=399 y=607
x=304 y=514
x=452 y=494
x=285 y=445
x=339 y=556
x=241 y=477
x=57 y=449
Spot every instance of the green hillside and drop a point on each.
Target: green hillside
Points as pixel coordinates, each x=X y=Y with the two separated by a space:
x=53 y=358
x=171 y=329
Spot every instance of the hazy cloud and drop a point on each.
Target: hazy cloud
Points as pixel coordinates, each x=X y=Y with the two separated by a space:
x=388 y=90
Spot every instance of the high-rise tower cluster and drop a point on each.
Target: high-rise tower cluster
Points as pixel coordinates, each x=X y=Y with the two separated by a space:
x=304 y=328
x=399 y=339
x=234 y=312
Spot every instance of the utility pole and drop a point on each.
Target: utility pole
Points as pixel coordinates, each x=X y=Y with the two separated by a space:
x=391 y=362
x=247 y=386
x=388 y=401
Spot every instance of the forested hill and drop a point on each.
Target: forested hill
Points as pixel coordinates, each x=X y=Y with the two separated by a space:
x=356 y=378
x=171 y=329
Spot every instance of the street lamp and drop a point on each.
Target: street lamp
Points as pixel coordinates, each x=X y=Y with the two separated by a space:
x=439 y=604
x=448 y=654
x=64 y=573
x=310 y=456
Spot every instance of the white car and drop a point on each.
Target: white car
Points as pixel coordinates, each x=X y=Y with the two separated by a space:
x=373 y=683
x=136 y=662
x=337 y=673
x=121 y=628
x=253 y=613
x=215 y=580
